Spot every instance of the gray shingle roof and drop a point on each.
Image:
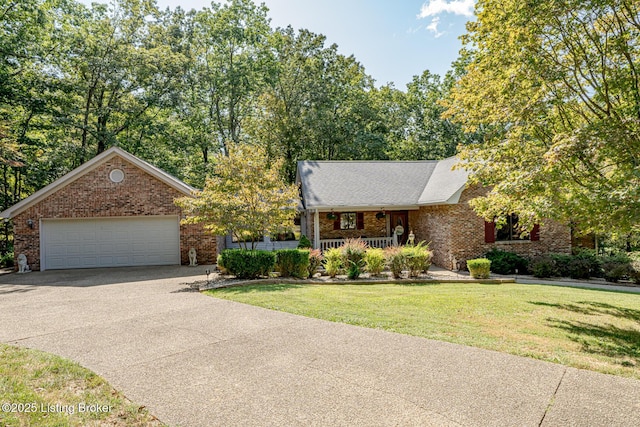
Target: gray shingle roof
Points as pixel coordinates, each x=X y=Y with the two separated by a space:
x=378 y=184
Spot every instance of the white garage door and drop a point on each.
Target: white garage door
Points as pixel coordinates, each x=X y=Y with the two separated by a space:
x=110 y=242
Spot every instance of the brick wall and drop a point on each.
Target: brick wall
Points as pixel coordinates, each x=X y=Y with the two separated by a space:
x=456 y=233
x=94 y=195
x=373 y=227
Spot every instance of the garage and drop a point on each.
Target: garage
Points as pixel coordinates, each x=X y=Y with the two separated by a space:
x=115 y=210
x=110 y=242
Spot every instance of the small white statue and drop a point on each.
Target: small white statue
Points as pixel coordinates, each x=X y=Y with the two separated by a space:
x=411 y=239
x=23 y=267
x=192 y=257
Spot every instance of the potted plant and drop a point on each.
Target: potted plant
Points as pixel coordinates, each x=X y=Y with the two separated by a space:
x=332 y=216
x=380 y=215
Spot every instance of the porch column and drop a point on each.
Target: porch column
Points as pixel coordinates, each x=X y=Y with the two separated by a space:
x=316 y=229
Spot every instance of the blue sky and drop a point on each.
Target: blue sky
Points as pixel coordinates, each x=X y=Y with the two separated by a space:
x=393 y=39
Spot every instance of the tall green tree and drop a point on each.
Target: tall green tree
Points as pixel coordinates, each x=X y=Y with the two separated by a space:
x=424 y=133
x=230 y=63
x=555 y=86
x=317 y=106
x=116 y=71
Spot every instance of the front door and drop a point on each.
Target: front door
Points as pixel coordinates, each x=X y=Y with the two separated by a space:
x=400 y=225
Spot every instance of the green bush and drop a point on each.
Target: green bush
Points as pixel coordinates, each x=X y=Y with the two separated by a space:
x=374 y=261
x=292 y=263
x=479 y=268
x=616 y=267
x=220 y=264
x=418 y=258
x=635 y=267
x=503 y=262
x=304 y=243
x=315 y=261
x=588 y=258
x=247 y=264
x=543 y=266
x=353 y=252
x=6 y=260
x=396 y=260
x=333 y=261
x=561 y=262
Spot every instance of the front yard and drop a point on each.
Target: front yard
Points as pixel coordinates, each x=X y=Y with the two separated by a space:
x=41 y=389
x=588 y=329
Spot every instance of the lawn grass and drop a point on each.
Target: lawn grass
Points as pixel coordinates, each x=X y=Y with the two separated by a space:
x=41 y=389
x=588 y=329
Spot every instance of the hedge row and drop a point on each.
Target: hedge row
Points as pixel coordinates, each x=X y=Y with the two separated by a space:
x=581 y=265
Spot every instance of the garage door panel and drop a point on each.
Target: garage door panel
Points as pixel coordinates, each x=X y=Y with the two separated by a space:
x=108 y=242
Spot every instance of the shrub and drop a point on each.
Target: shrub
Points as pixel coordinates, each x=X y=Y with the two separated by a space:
x=418 y=258
x=220 y=264
x=374 y=261
x=543 y=266
x=333 y=261
x=354 y=271
x=503 y=262
x=396 y=260
x=589 y=259
x=292 y=262
x=616 y=267
x=479 y=268
x=6 y=260
x=635 y=267
x=561 y=262
x=315 y=261
x=304 y=243
x=247 y=264
x=353 y=251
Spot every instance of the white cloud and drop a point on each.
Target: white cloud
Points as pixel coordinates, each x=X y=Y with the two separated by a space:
x=433 y=27
x=457 y=7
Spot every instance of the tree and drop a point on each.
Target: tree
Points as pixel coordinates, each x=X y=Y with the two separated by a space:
x=245 y=197
x=555 y=87
x=424 y=134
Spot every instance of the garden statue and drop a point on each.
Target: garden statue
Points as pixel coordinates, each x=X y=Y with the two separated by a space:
x=192 y=257
x=23 y=267
x=411 y=239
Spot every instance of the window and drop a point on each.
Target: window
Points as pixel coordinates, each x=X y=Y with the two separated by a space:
x=512 y=230
x=348 y=221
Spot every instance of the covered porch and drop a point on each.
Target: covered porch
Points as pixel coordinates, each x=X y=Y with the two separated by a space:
x=328 y=228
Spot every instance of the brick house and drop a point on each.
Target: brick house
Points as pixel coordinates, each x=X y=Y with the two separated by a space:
x=114 y=210
x=384 y=201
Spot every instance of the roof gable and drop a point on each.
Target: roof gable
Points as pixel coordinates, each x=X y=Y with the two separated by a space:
x=379 y=184
x=90 y=165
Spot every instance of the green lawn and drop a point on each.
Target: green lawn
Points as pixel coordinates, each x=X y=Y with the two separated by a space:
x=589 y=329
x=40 y=389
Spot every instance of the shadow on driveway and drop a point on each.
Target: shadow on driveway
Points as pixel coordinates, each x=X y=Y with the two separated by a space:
x=15 y=283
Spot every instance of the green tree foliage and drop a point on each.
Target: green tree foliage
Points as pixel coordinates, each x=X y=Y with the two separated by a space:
x=318 y=105
x=555 y=87
x=177 y=87
x=245 y=197
x=424 y=134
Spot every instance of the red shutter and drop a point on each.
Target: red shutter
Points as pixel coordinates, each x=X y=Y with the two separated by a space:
x=489 y=232
x=360 y=221
x=336 y=222
x=535 y=233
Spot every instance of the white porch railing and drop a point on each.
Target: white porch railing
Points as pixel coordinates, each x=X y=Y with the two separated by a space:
x=374 y=242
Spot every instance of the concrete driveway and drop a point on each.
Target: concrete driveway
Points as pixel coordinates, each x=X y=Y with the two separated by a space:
x=194 y=360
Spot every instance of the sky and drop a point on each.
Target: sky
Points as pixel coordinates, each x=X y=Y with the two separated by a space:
x=393 y=39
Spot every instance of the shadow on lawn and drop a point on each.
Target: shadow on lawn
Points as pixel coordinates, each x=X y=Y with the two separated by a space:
x=256 y=288
x=622 y=344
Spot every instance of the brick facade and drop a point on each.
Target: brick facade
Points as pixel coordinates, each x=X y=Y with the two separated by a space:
x=373 y=227
x=94 y=195
x=456 y=233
